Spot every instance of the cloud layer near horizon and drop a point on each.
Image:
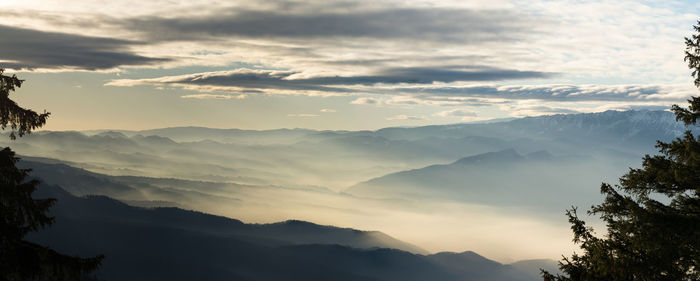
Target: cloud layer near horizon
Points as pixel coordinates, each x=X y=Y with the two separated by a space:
x=416 y=85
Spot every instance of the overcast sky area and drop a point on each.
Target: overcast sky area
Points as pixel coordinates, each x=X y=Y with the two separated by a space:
x=127 y=64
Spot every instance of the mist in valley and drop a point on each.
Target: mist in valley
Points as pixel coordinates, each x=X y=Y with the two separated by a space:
x=440 y=188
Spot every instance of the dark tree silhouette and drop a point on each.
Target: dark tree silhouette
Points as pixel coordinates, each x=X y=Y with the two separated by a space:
x=20 y=213
x=20 y=120
x=652 y=216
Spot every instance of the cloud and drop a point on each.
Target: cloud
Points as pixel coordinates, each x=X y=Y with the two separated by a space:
x=32 y=49
x=637 y=107
x=405 y=117
x=303 y=115
x=211 y=96
x=245 y=78
x=522 y=111
x=326 y=21
x=445 y=74
x=327 y=110
x=403 y=100
x=456 y=112
x=240 y=79
x=562 y=93
x=366 y=100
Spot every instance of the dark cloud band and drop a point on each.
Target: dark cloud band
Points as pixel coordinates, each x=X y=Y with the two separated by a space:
x=262 y=79
x=30 y=49
x=459 y=25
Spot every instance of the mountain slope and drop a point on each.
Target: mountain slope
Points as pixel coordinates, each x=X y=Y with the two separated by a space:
x=536 y=181
x=173 y=244
x=532 y=267
x=480 y=268
x=291 y=232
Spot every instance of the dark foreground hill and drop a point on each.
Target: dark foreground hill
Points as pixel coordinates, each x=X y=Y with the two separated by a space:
x=175 y=244
x=102 y=207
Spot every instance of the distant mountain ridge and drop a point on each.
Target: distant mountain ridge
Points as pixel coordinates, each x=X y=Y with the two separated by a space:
x=504 y=178
x=194 y=133
x=246 y=156
x=507 y=155
x=631 y=122
x=633 y=127
x=626 y=131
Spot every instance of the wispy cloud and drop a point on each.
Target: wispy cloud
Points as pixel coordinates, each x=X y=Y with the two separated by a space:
x=557 y=92
x=456 y=112
x=537 y=110
x=327 y=110
x=405 y=117
x=302 y=115
x=366 y=100
x=212 y=96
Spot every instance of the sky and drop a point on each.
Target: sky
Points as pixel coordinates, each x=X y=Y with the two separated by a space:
x=351 y=65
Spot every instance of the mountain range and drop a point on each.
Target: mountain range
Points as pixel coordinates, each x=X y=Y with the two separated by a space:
x=299 y=157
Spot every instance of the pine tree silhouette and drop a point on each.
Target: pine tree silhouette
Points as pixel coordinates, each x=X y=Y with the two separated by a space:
x=20 y=213
x=652 y=216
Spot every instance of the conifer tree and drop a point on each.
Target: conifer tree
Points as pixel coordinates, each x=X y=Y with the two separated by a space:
x=652 y=216
x=20 y=214
x=20 y=120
